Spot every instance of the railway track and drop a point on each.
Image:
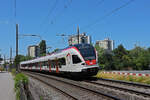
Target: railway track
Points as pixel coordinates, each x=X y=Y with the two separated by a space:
x=73 y=90
x=128 y=87
x=126 y=83
x=54 y=87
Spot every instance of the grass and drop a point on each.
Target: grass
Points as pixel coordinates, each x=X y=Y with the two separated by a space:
x=13 y=72
x=41 y=97
x=139 y=79
x=19 y=78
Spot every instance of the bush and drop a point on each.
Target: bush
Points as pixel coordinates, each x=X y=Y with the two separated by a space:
x=140 y=79
x=1 y=69
x=13 y=71
x=19 y=78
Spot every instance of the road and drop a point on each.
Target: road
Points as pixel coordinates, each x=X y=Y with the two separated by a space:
x=6 y=86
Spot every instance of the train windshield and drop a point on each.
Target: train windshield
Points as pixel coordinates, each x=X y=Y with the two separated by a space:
x=87 y=51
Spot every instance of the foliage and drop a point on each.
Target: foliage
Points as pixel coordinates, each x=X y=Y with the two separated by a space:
x=19 y=78
x=42 y=48
x=140 y=79
x=100 y=52
x=13 y=71
x=1 y=69
x=20 y=58
x=56 y=50
x=41 y=97
x=137 y=58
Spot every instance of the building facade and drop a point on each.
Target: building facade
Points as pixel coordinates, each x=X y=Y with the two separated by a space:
x=106 y=44
x=81 y=38
x=34 y=51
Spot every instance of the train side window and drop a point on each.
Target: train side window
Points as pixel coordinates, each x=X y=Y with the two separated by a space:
x=39 y=64
x=53 y=64
x=75 y=59
x=59 y=65
x=43 y=63
x=46 y=64
x=62 y=61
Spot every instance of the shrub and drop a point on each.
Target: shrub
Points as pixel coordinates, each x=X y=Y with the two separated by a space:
x=19 y=78
x=1 y=69
x=140 y=79
x=13 y=71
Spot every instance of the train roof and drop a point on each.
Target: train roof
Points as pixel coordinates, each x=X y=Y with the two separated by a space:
x=55 y=53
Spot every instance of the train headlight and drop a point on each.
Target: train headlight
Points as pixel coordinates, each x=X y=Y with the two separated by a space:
x=84 y=70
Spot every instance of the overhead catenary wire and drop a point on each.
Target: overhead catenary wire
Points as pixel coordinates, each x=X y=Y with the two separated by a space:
x=108 y=14
x=78 y=19
x=50 y=11
x=65 y=6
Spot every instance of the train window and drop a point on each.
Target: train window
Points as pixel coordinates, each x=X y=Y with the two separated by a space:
x=75 y=59
x=43 y=63
x=47 y=64
x=62 y=61
x=39 y=64
x=59 y=64
x=53 y=64
x=23 y=65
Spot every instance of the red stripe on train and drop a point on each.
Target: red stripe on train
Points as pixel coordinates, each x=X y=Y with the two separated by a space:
x=90 y=62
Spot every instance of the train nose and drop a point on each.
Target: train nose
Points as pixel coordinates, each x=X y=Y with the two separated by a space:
x=90 y=71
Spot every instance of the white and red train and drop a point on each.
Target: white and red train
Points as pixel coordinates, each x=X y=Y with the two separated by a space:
x=80 y=59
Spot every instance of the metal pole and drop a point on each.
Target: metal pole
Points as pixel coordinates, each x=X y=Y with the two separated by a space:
x=4 y=62
x=10 y=55
x=17 y=47
x=10 y=65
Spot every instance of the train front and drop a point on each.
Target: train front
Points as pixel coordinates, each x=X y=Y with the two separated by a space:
x=89 y=66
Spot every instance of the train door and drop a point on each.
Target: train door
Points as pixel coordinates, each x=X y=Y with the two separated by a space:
x=49 y=64
x=56 y=65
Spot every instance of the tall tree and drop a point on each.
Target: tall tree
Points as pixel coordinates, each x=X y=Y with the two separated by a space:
x=140 y=57
x=121 y=58
x=42 y=47
x=100 y=52
x=20 y=58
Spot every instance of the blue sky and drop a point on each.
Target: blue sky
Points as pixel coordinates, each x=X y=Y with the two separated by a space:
x=47 y=18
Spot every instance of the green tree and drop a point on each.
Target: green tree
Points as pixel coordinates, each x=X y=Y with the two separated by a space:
x=100 y=52
x=121 y=58
x=20 y=58
x=56 y=50
x=42 y=48
x=140 y=58
x=107 y=60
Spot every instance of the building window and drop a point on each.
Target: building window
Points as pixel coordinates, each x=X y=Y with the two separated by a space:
x=75 y=59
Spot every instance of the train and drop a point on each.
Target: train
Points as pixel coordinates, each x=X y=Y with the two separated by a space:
x=75 y=60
